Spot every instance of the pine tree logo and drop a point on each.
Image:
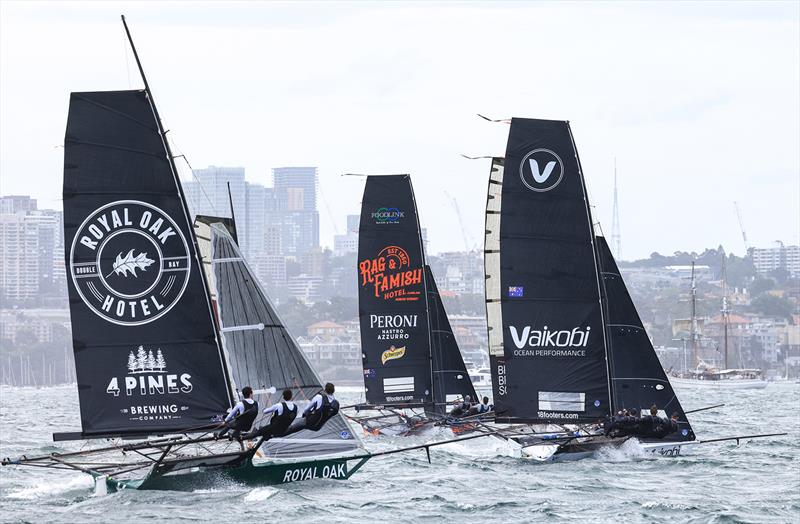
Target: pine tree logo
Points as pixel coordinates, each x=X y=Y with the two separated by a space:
x=145 y=361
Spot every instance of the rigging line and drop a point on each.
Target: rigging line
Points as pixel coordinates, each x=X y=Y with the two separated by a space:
x=125 y=52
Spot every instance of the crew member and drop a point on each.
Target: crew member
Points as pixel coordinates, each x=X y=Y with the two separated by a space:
x=481 y=408
x=624 y=423
x=322 y=407
x=462 y=408
x=284 y=413
x=242 y=416
x=654 y=426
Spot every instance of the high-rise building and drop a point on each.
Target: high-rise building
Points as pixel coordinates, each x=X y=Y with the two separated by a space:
x=207 y=194
x=772 y=258
x=348 y=242
x=31 y=250
x=296 y=201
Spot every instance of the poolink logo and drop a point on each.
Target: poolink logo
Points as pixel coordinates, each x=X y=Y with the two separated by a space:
x=541 y=170
x=387 y=215
x=129 y=262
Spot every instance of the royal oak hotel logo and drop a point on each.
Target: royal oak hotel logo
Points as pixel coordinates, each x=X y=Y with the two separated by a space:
x=129 y=262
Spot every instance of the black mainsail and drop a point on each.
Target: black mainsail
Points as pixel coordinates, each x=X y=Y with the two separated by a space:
x=147 y=355
x=393 y=310
x=544 y=305
x=637 y=377
x=450 y=378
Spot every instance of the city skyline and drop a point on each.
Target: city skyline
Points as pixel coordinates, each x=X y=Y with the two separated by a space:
x=687 y=123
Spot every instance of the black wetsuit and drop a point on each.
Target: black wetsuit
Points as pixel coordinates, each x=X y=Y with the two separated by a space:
x=622 y=426
x=278 y=424
x=654 y=426
x=317 y=418
x=243 y=422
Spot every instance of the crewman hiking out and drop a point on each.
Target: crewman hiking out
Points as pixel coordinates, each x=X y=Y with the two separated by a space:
x=242 y=415
x=283 y=414
x=323 y=406
x=462 y=408
x=480 y=408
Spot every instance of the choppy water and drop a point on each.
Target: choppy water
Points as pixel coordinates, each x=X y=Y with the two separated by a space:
x=758 y=481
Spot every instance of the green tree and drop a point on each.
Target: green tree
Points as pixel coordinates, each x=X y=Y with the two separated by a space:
x=772 y=306
x=761 y=285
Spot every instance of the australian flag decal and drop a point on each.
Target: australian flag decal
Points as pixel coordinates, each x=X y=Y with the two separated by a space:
x=516 y=291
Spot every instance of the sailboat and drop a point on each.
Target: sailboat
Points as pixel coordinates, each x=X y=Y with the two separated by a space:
x=169 y=323
x=413 y=369
x=705 y=375
x=567 y=347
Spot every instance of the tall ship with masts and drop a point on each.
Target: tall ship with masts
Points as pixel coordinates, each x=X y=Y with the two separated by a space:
x=704 y=374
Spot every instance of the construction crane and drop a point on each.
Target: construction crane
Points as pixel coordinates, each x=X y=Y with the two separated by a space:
x=741 y=227
x=464 y=236
x=327 y=209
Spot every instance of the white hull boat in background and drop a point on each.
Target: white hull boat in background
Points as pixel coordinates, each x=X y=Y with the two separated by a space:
x=728 y=383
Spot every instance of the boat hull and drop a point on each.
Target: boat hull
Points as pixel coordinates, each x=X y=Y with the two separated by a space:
x=547 y=452
x=720 y=384
x=266 y=474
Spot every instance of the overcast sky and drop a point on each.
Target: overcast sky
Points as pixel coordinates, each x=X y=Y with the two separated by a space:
x=699 y=103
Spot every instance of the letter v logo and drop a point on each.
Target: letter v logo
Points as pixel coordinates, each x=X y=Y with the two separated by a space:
x=519 y=340
x=541 y=170
x=538 y=176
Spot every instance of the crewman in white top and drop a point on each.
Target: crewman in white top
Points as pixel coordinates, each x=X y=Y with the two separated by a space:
x=242 y=415
x=283 y=414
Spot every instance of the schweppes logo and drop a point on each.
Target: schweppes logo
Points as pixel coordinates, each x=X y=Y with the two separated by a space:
x=129 y=262
x=392 y=353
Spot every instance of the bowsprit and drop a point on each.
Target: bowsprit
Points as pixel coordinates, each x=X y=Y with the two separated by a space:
x=129 y=262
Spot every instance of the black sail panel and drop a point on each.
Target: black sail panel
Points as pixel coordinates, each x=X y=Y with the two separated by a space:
x=551 y=362
x=450 y=378
x=391 y=294
x=146 y=352
x=638 y=379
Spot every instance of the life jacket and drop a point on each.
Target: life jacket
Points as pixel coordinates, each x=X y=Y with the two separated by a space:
x=245 y=420
x=317 y=418
x=280 y=423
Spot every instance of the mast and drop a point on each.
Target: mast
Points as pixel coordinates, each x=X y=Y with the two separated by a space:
x=693 y=327
x=725 y=311
x=616 y=236
x=425 y=287
x=601 y=291
x=184 y=206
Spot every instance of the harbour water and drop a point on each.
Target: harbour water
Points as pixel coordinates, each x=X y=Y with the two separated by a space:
x=757 y=481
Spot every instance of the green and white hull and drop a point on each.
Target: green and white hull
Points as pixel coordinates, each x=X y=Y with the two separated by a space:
x=265 y=473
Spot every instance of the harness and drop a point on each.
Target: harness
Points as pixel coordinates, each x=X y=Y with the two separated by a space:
x=248 y=416
x=317 y=418
x=280 y=423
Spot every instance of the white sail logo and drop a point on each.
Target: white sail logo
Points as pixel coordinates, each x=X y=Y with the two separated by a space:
x=541 y=170
x=148 y=375
x=129 y=262
x=542 y=338
x=538 y=176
